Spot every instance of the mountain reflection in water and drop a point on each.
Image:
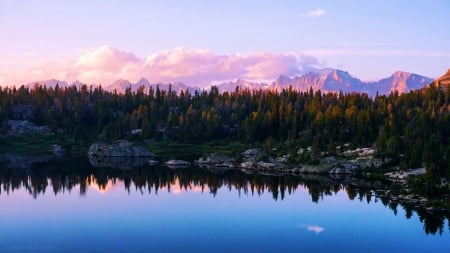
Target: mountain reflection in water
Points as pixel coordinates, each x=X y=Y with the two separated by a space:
x=66 y=175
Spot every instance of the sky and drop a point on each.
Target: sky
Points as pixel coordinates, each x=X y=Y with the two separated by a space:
x=200 y=42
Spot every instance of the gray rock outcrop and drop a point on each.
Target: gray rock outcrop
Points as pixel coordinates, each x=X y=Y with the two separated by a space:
x=327 y=165
x=266 y=165
x=18 y=127
x=247 y=165
x=215 y=158
x=175 y=164
x=252 y=155
x=118 y=149
x=402 y=176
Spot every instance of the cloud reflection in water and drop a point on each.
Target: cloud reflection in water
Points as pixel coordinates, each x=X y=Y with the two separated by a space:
x=312 y=228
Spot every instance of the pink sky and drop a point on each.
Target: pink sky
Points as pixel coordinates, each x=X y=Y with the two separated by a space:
x=198 y=43
x=105 y=65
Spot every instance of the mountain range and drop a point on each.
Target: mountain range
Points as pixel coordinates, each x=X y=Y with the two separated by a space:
x=119 y=85
x=327 y=80
x=334 y=80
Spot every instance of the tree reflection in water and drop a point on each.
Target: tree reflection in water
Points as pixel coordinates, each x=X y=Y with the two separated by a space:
x=64 y=175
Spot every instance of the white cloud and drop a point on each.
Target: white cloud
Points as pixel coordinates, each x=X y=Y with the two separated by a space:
x=199 y=67
x=314 y=13
x=313 y=228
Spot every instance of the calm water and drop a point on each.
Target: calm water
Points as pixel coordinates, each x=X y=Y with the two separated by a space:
x=57 y=207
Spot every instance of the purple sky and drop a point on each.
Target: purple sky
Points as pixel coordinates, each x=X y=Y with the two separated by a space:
x=199 y=42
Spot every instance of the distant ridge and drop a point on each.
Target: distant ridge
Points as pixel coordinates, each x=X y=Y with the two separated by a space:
x=51 y=83
x=402 y=82
x=119 y=85
x=327 y=80
x=335 y=80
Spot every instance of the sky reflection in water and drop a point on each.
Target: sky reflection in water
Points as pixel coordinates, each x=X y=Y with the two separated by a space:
x=110 y=218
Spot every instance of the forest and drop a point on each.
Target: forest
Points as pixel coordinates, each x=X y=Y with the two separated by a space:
x=411 y=128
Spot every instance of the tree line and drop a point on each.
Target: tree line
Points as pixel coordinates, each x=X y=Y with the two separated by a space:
x=412 y=128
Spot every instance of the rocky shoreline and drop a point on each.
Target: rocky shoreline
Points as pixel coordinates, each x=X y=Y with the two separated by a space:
x=392 y=187
x=343 y=168
x=349 y=167
x=253 y=159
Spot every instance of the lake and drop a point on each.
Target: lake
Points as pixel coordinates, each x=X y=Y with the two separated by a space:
x=69 y=206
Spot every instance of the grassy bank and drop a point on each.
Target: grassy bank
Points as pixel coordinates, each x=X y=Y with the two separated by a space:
x=36 y=144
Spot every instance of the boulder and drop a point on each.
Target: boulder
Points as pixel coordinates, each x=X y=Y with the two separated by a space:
x=401 y=176
x=216 y=158
x=266 y=165
x=118 y=149
x=174 y=164
x=58 y=150
x=136 y=131
x=281 y=159
x=327 y=165
x=367 y=162
x=314 y=169
x=337 y=170
x=18 y=127
x=252 y=155
x=225 y=165
x=252 y=152
x=246 y=165
x=360 y=152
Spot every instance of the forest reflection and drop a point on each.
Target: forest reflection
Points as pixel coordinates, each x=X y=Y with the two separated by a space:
x=67 y=175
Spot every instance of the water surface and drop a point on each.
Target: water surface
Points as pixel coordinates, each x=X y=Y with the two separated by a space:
x=57 y=207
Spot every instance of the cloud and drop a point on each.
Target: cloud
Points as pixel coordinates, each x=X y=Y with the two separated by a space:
x=104 y=65
x=314 y=13
x=313 y=228
x=200 y=67
x=203 y=67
